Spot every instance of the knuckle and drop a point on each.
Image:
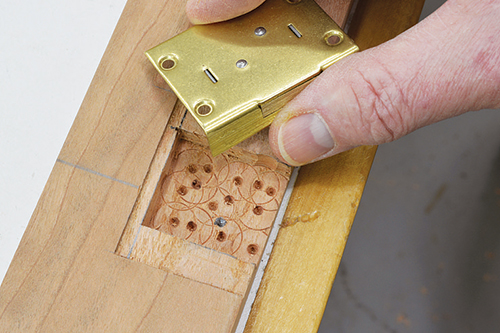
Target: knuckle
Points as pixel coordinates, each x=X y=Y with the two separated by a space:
x=381 y=103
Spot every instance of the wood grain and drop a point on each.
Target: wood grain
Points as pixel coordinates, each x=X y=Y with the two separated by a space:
x=308 y=250
x=76 y=271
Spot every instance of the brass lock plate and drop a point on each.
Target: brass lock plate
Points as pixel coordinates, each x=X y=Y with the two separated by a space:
x=234 y=76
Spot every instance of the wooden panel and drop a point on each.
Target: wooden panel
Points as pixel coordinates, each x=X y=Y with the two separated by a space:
x=307 y=252
x=127 y=106
x=66 y=275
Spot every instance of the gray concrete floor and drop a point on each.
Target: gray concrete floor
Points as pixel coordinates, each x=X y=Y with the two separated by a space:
x=424 y=250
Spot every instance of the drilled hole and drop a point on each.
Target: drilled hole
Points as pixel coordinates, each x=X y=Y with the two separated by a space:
x=192 y=168
x=174 y=221
x=221 y=236
x=207 y=168
x=167 y=64
x=258 y=210
x=196 y=184
x=238 y=181
x=212 y=205
x=228 y=200
x=252 y=249
x=204 y=110
x=191 y=226
x=182 y=190
x=270 y=191
x=257 y=184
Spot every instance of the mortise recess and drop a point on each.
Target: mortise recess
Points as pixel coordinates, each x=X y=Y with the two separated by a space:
x=226 y=203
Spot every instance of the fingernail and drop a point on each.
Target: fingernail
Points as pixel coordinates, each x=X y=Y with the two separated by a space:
x=304 y=138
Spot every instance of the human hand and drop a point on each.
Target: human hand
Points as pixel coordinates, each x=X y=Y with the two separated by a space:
x=444 y=66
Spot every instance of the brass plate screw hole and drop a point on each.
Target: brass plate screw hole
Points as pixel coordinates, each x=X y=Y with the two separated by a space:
x=191 y=226
x=204 y=110
x=334 y=38
x=252 y=249
x=167 y=64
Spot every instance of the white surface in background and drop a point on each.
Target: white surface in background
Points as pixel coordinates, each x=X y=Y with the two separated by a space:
x=49 y=52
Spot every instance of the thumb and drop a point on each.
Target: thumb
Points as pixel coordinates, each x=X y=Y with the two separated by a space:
x=446 y=65
x=210 y=11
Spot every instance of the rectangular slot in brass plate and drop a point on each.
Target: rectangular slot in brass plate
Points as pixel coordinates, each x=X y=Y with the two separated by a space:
x=234 y=76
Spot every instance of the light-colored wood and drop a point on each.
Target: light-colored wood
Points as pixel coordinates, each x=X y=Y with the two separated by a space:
x=306 y=255
x=76 y=269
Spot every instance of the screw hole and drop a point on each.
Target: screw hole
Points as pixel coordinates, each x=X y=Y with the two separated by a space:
x=270 y=191
x=191 y=226
x=228 y=200
x=174 y=221
x=196 y=184
x=238 y=181
x=167 y=64
x=182 y=190
x=252 y=249
x=258 y=210
x=204 y=109
x=192 y=168
x=207 y=168
x=258 y=184
x=221 y=236
x=212 y=205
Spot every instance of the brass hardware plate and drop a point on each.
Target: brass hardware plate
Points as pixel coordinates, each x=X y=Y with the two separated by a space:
x=234 y=76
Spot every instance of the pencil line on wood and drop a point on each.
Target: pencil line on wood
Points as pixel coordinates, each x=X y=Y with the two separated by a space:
x=97 y=173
